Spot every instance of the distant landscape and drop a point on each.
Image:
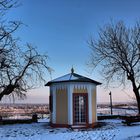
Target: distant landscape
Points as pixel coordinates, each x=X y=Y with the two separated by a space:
x=25 y=111
x=21 y=111
x=118 y=109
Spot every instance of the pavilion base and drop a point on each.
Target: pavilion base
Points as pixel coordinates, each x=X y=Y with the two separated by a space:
x=79 y=126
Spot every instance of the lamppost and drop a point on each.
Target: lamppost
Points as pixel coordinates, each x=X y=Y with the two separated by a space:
x=111 y=102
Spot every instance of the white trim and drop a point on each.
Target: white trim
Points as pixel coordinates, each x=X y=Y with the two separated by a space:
x=73 y=83
x=96 y=103
x=54 y=104
x=89 y=104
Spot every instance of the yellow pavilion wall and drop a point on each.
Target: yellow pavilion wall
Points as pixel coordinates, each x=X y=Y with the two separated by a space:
x=94 y=106
x=61 y=106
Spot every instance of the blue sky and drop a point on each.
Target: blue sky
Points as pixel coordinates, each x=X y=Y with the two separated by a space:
x=62 y=28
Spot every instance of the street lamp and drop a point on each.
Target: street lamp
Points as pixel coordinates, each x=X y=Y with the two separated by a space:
x=111 y=102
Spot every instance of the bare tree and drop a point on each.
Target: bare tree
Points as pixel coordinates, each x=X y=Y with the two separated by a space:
x=117 y=50
x=5 y=5
x=6 y=30
x=21 y=67
x=23 y=70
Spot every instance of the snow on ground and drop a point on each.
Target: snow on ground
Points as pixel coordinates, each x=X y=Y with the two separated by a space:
x=111 y=130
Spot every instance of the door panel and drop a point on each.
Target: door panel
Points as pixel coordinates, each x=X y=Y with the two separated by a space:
x=80 y=112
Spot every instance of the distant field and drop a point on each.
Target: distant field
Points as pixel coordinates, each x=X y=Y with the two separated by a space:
x=20 y=111
x=118 y=109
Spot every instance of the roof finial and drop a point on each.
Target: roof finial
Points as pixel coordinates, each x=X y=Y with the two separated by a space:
x=72 y=70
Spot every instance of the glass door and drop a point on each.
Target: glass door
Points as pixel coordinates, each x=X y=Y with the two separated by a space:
x=80 y=114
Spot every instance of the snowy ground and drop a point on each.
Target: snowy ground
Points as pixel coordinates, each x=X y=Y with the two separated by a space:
x=112 y=130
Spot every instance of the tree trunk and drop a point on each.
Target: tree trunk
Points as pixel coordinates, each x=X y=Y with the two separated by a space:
x=1 y=95
x=136 y=92
x=137 y=98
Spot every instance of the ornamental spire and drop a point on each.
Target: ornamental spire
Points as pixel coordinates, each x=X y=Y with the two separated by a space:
x=72 y=70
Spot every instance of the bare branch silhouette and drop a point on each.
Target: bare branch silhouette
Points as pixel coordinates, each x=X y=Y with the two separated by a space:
x=21 y=67
x=117 y=50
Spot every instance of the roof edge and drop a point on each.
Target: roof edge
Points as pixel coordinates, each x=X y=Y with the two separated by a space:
x=95 y=82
